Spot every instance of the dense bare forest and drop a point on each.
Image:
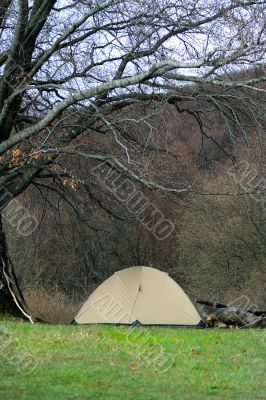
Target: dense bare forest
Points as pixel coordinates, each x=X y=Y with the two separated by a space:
x=126 y=141
x=216 y=248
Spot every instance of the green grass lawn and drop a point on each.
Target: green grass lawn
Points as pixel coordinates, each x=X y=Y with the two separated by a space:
x=103 y=362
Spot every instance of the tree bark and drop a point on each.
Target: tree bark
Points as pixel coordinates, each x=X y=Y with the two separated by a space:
x=220 y=315
x=11 y=297
x=254 y=311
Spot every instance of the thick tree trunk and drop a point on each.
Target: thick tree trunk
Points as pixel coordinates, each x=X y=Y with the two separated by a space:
x=7 y=304
x=11 y=297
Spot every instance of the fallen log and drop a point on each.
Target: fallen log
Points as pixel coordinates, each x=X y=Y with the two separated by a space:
x=211 y=303
x=221 y=315
x=220 y=305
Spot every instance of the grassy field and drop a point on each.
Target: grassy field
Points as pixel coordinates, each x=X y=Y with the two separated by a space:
x=103 y=362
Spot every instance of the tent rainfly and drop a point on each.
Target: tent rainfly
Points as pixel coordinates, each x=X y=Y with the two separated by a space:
x=139 y=296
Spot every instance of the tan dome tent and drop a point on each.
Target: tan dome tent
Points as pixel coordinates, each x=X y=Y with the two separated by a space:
x=139 y=296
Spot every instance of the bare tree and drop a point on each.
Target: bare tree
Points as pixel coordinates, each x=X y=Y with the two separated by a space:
x=67 y=68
